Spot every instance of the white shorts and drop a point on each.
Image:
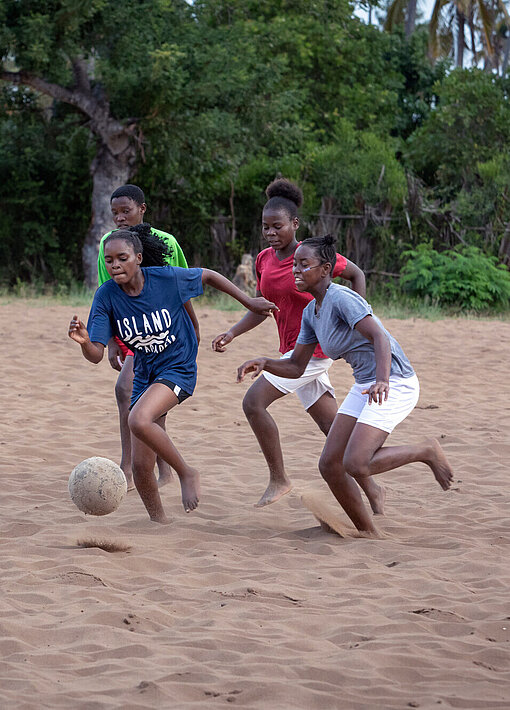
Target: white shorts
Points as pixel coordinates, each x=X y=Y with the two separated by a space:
x=312 y=384
x=402 y=399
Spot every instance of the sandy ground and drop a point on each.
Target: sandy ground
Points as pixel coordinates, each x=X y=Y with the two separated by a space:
x=240 y=606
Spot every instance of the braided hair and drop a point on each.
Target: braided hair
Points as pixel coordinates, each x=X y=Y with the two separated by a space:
x=155 y=252
x=324 y=248
x=284 y=195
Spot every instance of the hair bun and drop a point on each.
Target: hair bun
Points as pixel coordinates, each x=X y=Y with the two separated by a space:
x=286 y=189
x=329 y=239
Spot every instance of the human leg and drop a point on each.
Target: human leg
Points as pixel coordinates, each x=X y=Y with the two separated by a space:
x=164 y=470
x=365 y=456
x=341 y=484
x=145 y=425
x=355 y=447
x=323 y=412
x=144 y=459
x=255 y=403
x=123 y=388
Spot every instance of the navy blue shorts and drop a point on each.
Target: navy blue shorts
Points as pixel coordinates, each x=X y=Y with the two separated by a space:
x=178 y=391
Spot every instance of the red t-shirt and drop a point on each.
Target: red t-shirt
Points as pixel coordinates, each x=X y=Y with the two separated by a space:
x=275 y=282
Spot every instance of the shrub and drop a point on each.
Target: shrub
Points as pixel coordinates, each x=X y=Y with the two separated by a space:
x=464 y=277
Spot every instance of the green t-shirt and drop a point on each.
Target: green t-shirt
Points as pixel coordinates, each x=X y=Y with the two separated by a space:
x=176 y=259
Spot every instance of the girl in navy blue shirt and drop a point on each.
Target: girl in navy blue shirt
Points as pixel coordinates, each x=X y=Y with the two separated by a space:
x=144 y=307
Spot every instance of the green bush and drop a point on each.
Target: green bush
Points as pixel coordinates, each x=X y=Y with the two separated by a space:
x=464 y=277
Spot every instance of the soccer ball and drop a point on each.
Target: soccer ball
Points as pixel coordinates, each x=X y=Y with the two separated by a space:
x=97 y=486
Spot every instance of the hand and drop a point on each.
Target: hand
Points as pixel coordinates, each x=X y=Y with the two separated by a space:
x=77 y=331
x=378 y=392
x=255 y=366
x=262 y=306
x=221 y=341
x=115 y=355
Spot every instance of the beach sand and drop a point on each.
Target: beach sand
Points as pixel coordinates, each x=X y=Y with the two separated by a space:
x=244 y=607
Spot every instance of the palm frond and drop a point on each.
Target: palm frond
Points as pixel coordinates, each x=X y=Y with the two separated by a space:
x=395 y=15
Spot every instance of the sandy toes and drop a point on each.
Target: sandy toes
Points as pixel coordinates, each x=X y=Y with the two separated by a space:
x=273 y=493
x=190 y=488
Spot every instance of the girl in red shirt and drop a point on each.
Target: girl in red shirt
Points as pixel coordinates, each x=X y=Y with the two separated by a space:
x=275 y=281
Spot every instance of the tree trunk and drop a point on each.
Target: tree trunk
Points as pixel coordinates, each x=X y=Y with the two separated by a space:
x=504 y=66
x=108 y=172
x=461 y=20
x=410 y=18
x=116 y=151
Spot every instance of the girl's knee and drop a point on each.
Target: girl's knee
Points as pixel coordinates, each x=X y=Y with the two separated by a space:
x=137 y=423
x=328 y=467
x=356 y=465
x=250 y=405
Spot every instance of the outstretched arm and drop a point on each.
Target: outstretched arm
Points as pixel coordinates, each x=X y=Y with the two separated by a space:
x=292 y=367
x=372 y=331
x=93 y=352
x=247 y=322
x=258 y=305
x=356 y=276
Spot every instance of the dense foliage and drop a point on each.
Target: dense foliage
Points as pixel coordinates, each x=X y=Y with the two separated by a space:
x=464 y=277
x=404 y=159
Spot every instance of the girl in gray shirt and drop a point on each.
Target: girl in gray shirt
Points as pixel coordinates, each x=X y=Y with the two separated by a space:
x=385 y=391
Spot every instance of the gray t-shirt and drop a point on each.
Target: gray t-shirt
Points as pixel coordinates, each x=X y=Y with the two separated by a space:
x=333 y=328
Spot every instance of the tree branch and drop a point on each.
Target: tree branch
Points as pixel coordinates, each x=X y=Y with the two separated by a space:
x=112 y=132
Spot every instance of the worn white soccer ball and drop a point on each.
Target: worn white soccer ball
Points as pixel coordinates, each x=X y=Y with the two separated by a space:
x=97 y=486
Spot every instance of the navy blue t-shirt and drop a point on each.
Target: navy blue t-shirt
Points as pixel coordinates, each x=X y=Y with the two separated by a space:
x=154 y=324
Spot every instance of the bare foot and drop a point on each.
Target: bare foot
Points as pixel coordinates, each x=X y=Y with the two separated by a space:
x=439 y=464
x=161 y=519
x=273 y=492
x=190 y=488
x=377 y=500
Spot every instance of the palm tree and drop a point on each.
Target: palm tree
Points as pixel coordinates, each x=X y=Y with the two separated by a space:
x=401 y=12
x=452 y=20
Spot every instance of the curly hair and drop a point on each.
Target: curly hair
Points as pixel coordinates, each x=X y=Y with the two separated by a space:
x=155 y=252
x=284 y=195
x=324 y=248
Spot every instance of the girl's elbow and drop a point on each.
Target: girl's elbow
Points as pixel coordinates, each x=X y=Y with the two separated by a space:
x=358 y=284
x=206 y=276
x=95 y=356
x=297 y=371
